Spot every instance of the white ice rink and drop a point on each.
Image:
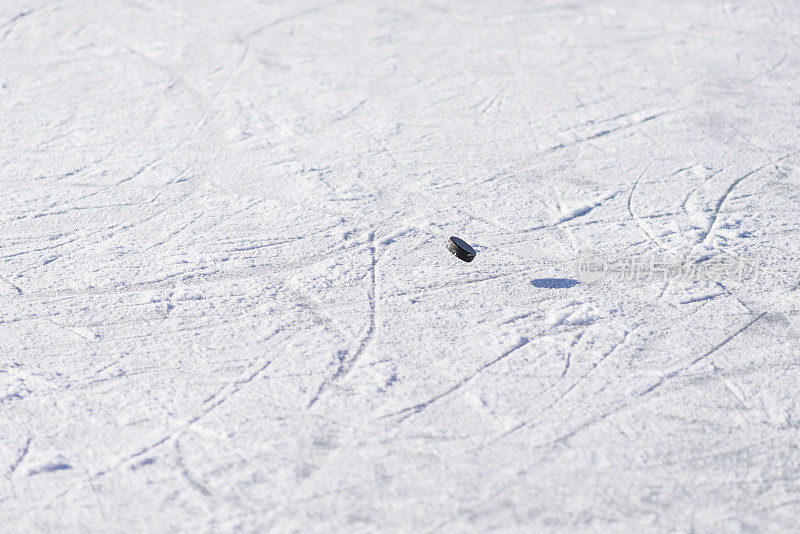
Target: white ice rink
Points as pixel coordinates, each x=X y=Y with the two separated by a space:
x=226 y=302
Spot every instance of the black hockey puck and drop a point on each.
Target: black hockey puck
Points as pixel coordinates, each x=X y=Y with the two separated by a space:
x=461 y=249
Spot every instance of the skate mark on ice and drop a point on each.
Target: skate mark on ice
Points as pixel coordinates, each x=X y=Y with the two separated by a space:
x=417 y=408
x=623 y=405
x=298 y=15
x=448 y=287
x=10 y=23
x=345 y=363
x=213 y=402
x=50 y=468
x=20 y=457
x=568 y=357
x=638 y=220
x=193 y=482
x=584 y=209
x=771 y=69
x=603 y=133
x=703 y=298
x=12 y=285
x=580 y=379
x=672 y=374
x=709 y=232
x=691 y=193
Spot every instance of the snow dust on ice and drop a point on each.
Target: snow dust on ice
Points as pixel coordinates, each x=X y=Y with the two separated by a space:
x=226 y=301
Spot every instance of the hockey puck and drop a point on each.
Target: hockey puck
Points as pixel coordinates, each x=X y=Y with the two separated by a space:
x=460 y=249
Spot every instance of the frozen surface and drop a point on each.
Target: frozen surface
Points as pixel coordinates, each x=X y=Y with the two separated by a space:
x=226 y=301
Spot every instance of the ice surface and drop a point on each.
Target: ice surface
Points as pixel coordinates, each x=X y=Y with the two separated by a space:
x=226 y=301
